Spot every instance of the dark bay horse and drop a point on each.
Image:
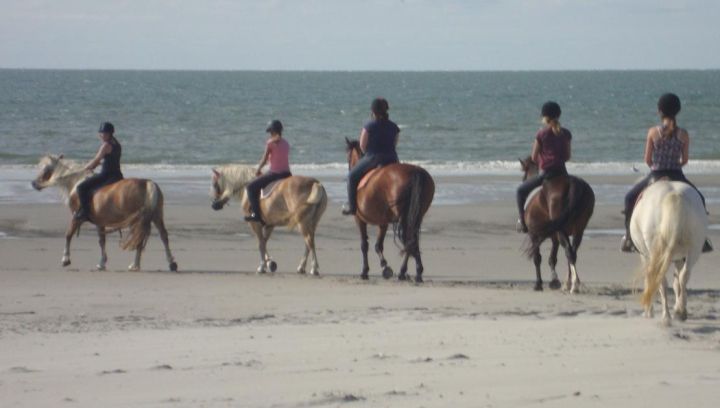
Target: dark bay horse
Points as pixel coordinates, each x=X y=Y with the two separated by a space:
x=400 y=194
x=129 y=203
x=560 y=211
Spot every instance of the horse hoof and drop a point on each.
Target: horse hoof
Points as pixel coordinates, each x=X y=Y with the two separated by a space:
x=133 y=268
x=418 y=279
x=681 y=315
x=538 y=287
x=99 y=268
x=555 y=284
x=364 y=276
x=173 y=266
x=272 y=265
x=301 y=271
x=65 y=262
x=387 y=272
x=402 y=277
x=315 y=272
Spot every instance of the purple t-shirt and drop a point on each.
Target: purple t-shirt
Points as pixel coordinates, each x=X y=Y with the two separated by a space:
x=553 y=148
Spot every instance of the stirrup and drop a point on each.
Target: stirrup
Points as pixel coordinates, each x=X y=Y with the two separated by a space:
x=521 y=227
x=254 y=217
x=347 y=210
x=626 y=245
x=707 y=246
x=81 y=216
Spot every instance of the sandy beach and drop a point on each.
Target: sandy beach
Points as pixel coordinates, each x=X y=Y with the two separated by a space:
x=216 y=334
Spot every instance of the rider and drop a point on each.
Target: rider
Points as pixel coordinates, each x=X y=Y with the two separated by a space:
x=277 y=152
x=666 y=151
x=109 y=154
x=551 y=150
x=378 y=140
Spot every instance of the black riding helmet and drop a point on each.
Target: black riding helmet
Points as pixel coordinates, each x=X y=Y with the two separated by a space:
x=106 y=127
x=669 y=105
x=275 y=126
x=551 y=110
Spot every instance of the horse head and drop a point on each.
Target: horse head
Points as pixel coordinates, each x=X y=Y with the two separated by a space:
x=49 y=165
x=529 y=167
x=216 y=193
x=354 y=153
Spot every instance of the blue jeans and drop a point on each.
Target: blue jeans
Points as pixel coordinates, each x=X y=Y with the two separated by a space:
x=361 y=168
x=87 y=187
x=632 y=196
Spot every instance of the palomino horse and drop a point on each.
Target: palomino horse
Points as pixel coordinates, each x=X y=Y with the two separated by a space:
x=397 y=193
x=669 y=224
x=129 y=203
x=295 y=201
x=560 y=210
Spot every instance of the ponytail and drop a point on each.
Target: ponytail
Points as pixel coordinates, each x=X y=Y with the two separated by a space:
x=553 y=123
x=380 y=107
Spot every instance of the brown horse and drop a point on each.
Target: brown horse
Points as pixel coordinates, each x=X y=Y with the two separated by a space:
x=297 y=202
x=399 y=194
x=129 y=203
x=560 y=210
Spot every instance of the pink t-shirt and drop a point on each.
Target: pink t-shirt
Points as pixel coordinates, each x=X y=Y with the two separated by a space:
x=279 y=155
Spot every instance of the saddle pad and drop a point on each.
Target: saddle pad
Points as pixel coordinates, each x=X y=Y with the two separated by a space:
x=532 y=195
x=366 y=178
x=653 y=181
x=265 y=192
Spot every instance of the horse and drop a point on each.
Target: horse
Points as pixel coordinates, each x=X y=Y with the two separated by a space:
x=560 y=211
x=296 y=202
x=129 y=203
x=668 y=225
x=397 y=193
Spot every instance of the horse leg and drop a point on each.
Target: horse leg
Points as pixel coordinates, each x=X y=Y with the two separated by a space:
x=663 y=299
x=309 y=238
x=160 y=225
x=315 y=269
x=258 y=230
x=403 y=267
x=135 y=266
x=103 y=254
x=418 y=267
x=537 y=259
x=364 y=246
x=680 y=286
x=387 y=272
x=72 y=229
x=552 y=261
x=648 y=313
x=572 y=284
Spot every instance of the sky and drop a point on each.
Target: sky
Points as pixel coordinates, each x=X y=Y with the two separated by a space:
x=360 y=34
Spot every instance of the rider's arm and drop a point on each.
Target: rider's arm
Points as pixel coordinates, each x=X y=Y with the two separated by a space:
x=535 y=155
x=104 y=149
x=363 y=140
x=263 y=161
x=568 y=149
x=649 y=147
x=686 y=148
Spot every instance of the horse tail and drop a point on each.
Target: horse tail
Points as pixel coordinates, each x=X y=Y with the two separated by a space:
x=141 y=222
x=314 y=208
x=410 y=204
x=578 y=192
x=672 y=232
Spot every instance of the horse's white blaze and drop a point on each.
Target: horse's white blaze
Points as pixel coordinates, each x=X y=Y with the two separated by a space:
x=668 y=224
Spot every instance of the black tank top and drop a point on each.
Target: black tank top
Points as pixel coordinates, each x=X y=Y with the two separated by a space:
x=111 y=161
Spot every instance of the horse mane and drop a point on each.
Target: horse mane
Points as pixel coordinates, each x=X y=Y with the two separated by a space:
x=232 y=178
x=66 y=173
x=351 y=145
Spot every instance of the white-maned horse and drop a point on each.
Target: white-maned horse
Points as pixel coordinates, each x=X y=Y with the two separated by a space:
x=296 y=202
x=668 y=225
x=130 y=203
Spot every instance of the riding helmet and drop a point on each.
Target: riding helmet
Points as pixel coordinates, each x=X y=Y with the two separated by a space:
x=106 y=127
x=551 y=110
x=669 y=105
x=275 y=126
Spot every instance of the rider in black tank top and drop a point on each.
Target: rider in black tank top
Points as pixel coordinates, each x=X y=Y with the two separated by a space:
x=109 y=155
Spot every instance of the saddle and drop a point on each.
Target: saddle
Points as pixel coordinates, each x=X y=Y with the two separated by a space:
x=267 y=190
x=653 y=180
x=537 y=190
x=367 y=177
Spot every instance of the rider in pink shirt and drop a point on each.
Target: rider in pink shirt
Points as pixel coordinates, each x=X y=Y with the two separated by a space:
x=277 y=153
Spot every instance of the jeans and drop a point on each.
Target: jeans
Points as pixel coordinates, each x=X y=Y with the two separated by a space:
x=254 y=187
x=531 y=184
x=87 y=187
x=361 y=168
x=632 y=195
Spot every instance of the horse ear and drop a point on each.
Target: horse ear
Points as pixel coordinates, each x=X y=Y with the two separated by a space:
x=216 y=173
x=347 y=141
x=61 y=156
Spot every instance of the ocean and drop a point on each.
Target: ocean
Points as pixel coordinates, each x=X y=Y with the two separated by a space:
x=175 y=125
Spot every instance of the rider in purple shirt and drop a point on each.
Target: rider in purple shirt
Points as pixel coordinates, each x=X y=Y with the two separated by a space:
x=551 y=150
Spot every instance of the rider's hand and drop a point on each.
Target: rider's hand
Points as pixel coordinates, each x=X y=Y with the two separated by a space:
x=258 y=173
